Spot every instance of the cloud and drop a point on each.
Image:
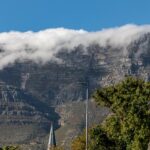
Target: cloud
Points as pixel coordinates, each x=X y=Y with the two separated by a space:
x=43 y=45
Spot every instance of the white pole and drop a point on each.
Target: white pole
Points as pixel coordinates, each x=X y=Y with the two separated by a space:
x=50 y=138
x=87 y=99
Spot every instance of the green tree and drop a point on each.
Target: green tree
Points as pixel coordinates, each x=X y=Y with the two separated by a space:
x=128 y=126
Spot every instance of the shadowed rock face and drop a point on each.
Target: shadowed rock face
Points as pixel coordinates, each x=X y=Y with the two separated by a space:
x=55 y=83
x=29 y=92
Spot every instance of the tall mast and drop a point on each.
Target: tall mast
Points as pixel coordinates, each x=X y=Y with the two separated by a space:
x=87 y=99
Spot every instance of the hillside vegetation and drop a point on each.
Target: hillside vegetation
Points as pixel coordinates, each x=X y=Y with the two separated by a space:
x=10 y=148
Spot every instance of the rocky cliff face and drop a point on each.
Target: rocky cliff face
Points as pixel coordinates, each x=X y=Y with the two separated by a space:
x=55 y=83
x=30 y=92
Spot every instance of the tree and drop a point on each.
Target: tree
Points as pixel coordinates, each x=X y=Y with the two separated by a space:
x=128 y=126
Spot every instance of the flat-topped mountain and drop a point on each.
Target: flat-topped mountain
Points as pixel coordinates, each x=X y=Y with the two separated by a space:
x=31 y=92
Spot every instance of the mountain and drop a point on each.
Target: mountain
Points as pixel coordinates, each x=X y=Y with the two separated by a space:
x=34 y=94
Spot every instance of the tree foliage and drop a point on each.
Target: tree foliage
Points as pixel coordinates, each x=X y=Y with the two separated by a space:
x=10 y=148
x=128 y=126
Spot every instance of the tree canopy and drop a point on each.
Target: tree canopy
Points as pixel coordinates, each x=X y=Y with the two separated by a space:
x=128 y=125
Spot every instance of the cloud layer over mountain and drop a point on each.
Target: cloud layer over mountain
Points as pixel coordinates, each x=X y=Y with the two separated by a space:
x=43 y=45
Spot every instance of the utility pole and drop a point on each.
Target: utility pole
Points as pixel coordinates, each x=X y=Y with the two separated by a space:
x=87 y=100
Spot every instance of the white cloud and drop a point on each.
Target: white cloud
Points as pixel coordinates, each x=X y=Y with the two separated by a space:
x=41 y=46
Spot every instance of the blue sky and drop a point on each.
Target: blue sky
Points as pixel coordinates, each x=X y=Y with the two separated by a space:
x=91 y=15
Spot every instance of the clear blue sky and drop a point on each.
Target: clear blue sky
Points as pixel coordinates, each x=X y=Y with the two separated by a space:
x=91 y=15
